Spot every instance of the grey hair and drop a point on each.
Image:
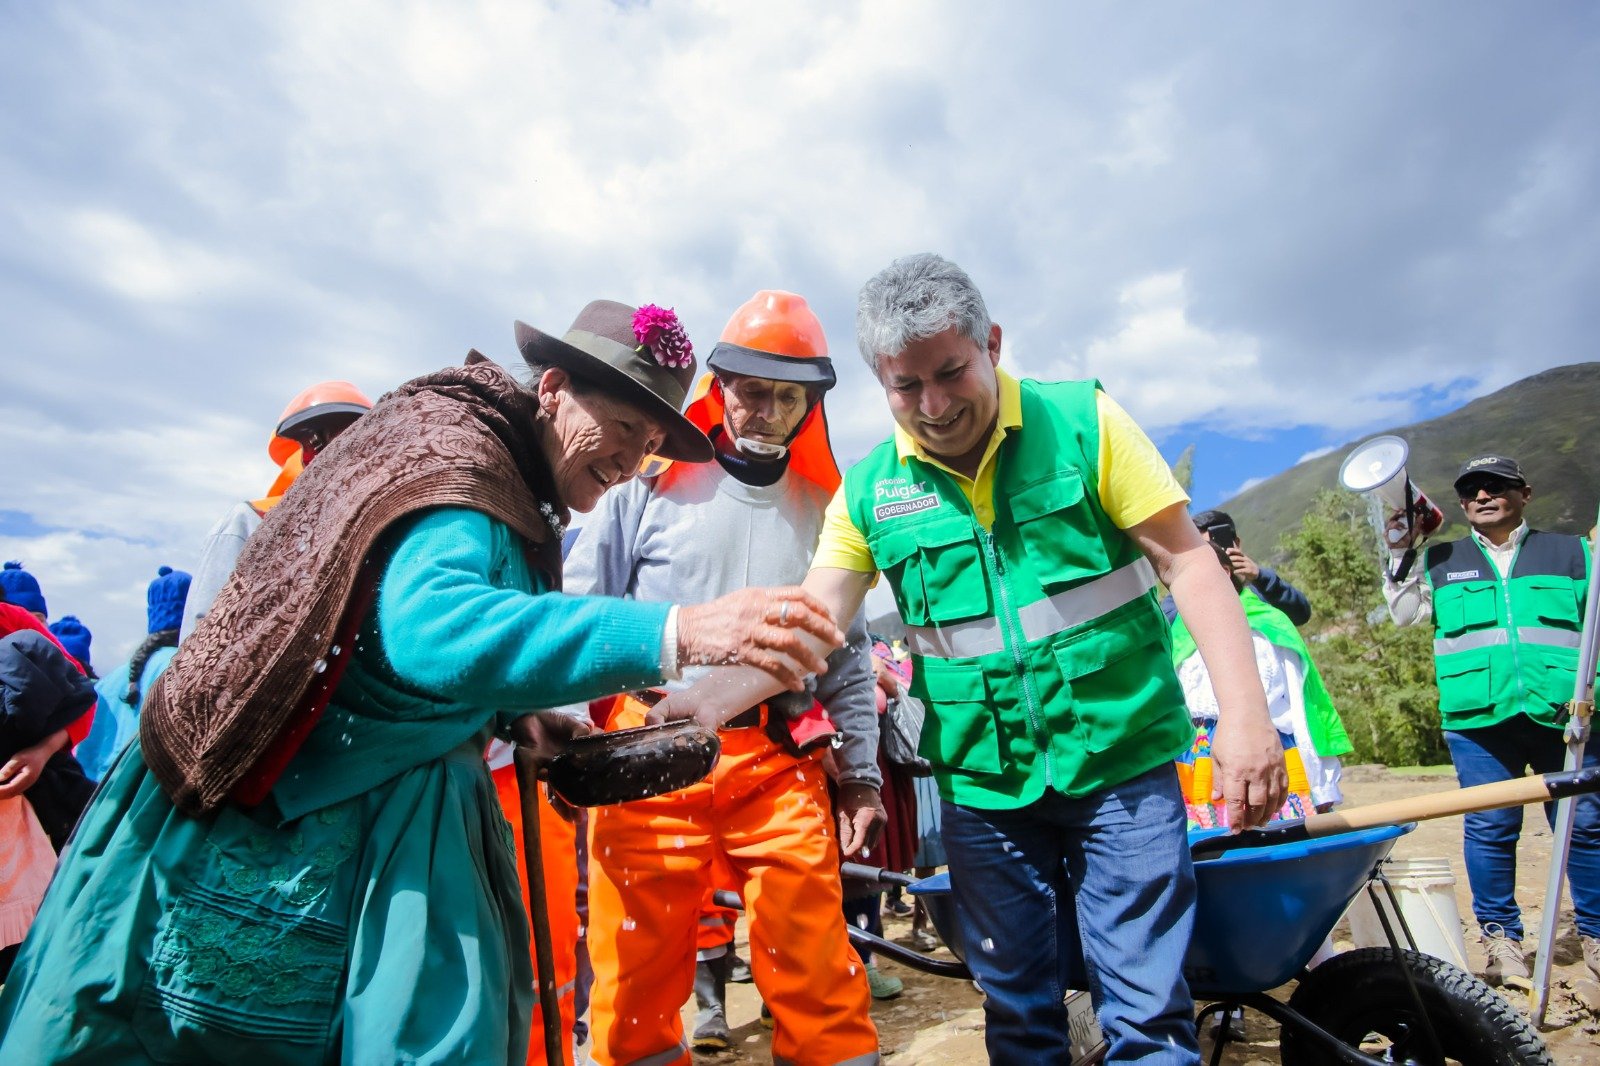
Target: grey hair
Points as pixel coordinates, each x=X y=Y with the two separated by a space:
x=914 y=298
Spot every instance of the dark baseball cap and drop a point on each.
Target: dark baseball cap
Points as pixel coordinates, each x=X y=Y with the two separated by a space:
x=1490 y=466
x=1207 y=519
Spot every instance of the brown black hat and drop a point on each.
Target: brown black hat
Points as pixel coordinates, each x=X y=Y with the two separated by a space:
x=639 y=356
x=1490 y=466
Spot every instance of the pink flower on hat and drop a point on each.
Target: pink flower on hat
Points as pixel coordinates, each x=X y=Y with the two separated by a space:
x=661 y=334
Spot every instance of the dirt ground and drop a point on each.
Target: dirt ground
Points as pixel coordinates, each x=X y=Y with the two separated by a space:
x=939 y=1021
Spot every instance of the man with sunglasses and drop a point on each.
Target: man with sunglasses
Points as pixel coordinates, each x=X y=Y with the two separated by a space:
x=1507 y=605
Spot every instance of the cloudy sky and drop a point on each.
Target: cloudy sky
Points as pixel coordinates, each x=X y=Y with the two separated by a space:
x=1268 y=228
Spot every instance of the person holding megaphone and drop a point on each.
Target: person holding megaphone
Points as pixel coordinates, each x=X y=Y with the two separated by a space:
x=1507 y=604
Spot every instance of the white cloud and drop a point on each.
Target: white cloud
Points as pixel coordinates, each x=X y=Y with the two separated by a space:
x=1252 y=220
x=1315 y=453
x=102 y=580
x=138 y=264
x=1244 y=486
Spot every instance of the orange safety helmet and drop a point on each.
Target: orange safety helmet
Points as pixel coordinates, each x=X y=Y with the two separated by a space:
x=338 y=403
x=774 y=335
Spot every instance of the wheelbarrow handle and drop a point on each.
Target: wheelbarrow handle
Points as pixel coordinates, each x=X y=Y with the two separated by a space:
x=877 y=876
x=1513 y=793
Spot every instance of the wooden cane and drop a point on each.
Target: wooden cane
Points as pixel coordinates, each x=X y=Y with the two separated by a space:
x=538 y=906
x=1513 y=793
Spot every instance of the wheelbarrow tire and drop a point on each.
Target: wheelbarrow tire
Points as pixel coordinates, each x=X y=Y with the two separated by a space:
x=1363 y=992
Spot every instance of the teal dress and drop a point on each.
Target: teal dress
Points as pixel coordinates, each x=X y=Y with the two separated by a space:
x=368 y=911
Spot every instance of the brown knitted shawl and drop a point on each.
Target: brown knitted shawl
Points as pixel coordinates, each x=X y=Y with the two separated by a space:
x=464 y=436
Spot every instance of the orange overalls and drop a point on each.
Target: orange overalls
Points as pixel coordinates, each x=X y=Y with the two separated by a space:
x=652 y=863
x=558 y=840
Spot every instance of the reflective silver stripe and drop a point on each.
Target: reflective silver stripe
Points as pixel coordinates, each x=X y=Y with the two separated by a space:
x=1555 y=638
x=1491 y=638
x=964 y=640
x=1488 y=638
x=1075 y=606
x=1041 y=618
x=869 y=1059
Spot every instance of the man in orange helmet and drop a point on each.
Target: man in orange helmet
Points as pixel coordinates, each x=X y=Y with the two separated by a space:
x=307 y=425
x=751 y=517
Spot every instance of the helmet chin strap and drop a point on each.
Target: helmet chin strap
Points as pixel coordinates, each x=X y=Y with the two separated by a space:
x=757 y=449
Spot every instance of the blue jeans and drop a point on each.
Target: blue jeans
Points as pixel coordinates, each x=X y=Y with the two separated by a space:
x=1119 y=860
x=1499 y=753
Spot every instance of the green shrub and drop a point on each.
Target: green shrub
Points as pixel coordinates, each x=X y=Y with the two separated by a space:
x=1379 y=675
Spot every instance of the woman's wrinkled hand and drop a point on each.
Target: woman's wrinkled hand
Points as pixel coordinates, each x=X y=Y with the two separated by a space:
x=546 y=734
x=763 y=628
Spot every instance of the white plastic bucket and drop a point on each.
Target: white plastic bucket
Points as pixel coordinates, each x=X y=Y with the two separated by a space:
x=1426 y=892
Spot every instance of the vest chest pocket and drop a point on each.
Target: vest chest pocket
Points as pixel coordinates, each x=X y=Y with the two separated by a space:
x=1458 y=608
x=935 y=570
x=959 y=731
x=1058 y=528
x=1554 y=601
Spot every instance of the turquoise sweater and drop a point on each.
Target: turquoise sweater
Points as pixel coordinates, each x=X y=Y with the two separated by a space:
x=375 y=915
x=454 y=628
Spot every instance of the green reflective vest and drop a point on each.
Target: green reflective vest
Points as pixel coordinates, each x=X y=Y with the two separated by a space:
x=1038 y=645
x=1507 y=646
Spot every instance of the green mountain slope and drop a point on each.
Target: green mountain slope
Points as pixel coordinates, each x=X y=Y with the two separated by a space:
x=1550 y=423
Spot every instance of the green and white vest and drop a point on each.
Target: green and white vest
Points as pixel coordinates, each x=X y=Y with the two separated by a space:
x=1038 y=645
x=1507 y=646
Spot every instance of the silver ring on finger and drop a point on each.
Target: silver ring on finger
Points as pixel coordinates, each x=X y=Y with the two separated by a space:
x=783 y=613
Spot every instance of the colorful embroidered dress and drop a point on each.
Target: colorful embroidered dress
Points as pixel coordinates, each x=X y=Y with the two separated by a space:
x=1313 y=738
x=368 y=911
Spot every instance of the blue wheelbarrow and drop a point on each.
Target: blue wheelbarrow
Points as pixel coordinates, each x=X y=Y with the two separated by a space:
x=1267 y=899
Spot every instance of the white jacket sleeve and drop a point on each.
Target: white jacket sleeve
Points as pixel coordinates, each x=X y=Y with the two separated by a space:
x=1410 y=601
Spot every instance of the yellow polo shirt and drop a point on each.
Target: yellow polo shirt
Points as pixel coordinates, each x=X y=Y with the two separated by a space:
x=1135 y=482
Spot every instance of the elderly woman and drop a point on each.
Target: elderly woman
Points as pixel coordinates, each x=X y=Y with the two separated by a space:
x=301 y=859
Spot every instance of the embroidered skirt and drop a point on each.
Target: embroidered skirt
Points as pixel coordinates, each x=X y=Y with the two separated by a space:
x=380 y=929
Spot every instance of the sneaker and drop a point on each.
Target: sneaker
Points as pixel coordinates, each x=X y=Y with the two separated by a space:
x=1591 y=955
x=923 y=940
x=1504 y=964
x=738 y=969
x=883 y=985
x=898 y=907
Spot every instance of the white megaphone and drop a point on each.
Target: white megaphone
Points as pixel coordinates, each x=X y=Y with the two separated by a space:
x=1377 y=469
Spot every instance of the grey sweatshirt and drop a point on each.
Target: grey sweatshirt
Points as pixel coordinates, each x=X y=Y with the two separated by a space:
x=698 y=533
x=221 y=551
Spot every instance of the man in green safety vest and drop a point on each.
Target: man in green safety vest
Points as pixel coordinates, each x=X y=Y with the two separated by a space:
x=1507 y=605
x=1022 y=526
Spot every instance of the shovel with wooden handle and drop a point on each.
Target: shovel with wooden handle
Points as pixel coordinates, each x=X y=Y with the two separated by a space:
x=1579 y=712
x=538 y=906
x=1514 y=793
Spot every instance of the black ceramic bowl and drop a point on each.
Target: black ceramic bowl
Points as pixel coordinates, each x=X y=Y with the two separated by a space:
x=632 y=764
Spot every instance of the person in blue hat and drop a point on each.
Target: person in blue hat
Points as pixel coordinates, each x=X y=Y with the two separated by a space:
x=22 y=589
x=75 y=638
x=122 y=691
